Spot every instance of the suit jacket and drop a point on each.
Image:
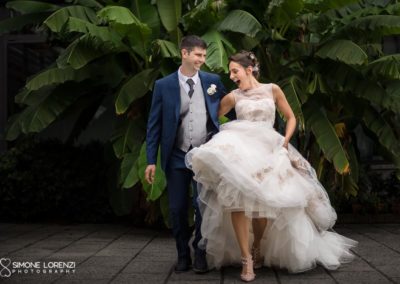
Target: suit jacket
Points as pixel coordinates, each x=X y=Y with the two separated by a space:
x=164 y=114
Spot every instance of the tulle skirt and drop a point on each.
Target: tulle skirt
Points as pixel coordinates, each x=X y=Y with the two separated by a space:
x=245 y=168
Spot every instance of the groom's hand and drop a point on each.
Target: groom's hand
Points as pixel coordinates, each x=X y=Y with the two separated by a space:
x=149 y=173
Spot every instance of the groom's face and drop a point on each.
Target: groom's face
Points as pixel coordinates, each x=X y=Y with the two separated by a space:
x=195 y=58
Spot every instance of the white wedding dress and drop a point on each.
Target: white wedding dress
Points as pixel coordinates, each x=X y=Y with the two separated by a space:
x=244 y=167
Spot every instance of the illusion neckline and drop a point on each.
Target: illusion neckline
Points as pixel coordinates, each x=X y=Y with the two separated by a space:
x=249 y=90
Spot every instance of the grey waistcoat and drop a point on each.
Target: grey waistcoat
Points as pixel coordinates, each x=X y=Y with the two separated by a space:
x=193 y=116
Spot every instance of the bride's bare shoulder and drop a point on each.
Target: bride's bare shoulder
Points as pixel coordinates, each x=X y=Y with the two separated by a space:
x=276 y=91
x=229 y=98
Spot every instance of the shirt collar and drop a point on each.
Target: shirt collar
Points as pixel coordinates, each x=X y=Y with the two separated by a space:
x=184 y=78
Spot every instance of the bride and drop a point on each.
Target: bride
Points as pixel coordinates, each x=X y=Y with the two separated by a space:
x=249 y=173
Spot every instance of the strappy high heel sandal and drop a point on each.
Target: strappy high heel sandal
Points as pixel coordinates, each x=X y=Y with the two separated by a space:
x=257 y=259
x=249 y=275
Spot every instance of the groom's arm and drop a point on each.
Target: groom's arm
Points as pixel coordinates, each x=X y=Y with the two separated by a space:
x=220 y=86
x=154 y=125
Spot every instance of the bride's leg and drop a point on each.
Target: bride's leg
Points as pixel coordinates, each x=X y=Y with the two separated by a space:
x=241 y=226
x=259 y=225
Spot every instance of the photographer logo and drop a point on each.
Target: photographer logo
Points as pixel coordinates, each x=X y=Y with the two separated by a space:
x=8 y=267
x=4 y=267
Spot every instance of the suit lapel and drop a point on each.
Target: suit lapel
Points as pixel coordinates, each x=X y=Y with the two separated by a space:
x=176 y=95
x=205 y=84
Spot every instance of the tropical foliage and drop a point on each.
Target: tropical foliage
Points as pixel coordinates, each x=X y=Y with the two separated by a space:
x=35 y=186
x=326 y=55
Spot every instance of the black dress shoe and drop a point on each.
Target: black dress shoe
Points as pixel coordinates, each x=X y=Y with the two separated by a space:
x=182 y=265
x=200 y=263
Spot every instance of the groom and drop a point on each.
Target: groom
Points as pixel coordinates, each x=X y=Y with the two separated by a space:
x=183 y=115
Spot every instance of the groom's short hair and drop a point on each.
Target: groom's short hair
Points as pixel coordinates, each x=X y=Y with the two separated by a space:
x=191 y=41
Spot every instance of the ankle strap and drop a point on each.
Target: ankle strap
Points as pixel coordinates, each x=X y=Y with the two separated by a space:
x=246 y=260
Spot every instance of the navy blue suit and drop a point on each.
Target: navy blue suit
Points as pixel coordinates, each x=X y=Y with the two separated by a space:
x=162 y=127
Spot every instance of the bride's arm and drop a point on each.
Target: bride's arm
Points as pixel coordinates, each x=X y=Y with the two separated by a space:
x=227 y=103
x=287 y=111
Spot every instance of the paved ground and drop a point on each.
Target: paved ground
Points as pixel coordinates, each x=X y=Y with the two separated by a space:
x=122 y=254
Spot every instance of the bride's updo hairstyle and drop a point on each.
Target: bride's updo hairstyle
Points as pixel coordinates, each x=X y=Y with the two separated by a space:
x=246 y=59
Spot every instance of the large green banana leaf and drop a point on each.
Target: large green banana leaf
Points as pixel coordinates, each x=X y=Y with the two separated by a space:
x=38 y=116
x=127 y=146
x=282 y=12
x=325 y=5
x=57 y=76
x=201 y=18
x=219 y=48
x=96 y=42
x=120 y=15
x=349 y=185
x=127 y=135
x=147 y=13
x=88 y=3
x=128 y=25
x=93 y=72
x=129 y=172
x=392 y=97
x=354 y=166
x=31 y=7
x=170 y=12
x=167 y=49
x=135 y=88
x=374 y=25
x=241 y=22
x=383 y=131
x=291 y=89
x=13 y=129
x=82 y=51
x=105 y=34
x=59 y=19
x=377 y=95
x=345 y=51
x=386 y=67
x=155 y=190
x=326 y=137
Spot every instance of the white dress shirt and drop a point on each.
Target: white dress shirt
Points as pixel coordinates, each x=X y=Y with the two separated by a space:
x=183 y=79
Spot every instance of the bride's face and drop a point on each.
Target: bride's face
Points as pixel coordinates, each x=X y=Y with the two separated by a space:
x=240 y=75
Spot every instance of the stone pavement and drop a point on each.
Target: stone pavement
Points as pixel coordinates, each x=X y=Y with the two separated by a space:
x=109 y=253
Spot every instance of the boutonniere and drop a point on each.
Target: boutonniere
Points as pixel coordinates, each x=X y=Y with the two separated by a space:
x=212 y=89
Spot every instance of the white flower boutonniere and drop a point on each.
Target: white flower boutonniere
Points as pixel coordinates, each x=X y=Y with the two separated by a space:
x=212 y=89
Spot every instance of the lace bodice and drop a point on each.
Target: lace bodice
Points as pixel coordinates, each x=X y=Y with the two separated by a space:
x=257 y=104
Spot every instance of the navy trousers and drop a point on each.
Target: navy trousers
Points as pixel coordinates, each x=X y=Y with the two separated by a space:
x=179 y=179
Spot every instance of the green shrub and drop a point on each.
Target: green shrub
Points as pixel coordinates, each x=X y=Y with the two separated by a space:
x=377 y=194
x=51 y=181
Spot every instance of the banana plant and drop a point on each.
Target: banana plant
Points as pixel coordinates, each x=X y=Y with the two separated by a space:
x=114 y=49
x=326 y=55
x=108 y=61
